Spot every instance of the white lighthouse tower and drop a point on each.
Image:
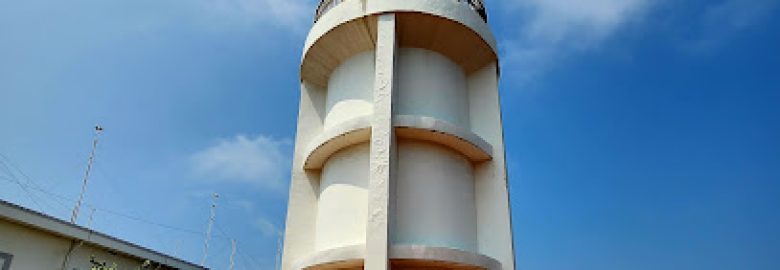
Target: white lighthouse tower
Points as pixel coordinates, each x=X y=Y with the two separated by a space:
x=399 y=154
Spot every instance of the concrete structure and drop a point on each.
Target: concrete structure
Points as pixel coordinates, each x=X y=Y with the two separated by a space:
x=31 y=241
x=399 y=155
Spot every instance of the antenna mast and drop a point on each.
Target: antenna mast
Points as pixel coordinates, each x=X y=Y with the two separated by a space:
x=75 y=215
x=208 y=231
x=232 y=253
x=278 y=251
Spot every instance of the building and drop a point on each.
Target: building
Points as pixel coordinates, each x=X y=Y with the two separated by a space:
x=399 y=154
x=33 y=241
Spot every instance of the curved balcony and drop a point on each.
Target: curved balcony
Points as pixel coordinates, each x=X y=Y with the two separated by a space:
x=325 y=5
x=422 y=128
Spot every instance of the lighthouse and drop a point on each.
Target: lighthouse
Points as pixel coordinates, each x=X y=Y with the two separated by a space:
x=399 y=153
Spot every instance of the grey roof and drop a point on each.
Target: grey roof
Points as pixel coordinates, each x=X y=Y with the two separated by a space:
x=21 y=215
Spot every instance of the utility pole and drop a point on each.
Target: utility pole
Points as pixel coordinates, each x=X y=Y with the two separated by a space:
x=208 y=231
x=75 y=215
x=278 y=250
x=176 y=246
x=232 y=253
x=91 y=215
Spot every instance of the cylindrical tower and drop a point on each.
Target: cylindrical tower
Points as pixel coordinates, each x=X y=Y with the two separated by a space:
x=399 y=153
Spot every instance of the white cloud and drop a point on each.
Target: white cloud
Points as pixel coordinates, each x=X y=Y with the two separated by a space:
x=556 y=29
x=724 y=19
x=737 y=14
x=266 y=227
x=293 y=15
x=260 y=160
x=556 y=21
x=245 y=205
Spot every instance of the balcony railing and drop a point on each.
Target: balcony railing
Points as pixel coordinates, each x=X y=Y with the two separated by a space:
x=325 y=5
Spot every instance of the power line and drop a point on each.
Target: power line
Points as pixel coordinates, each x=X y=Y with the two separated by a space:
x=150 y=222
x=243 y=260
x=120 y=214
x=47 y=192
x=24 y=187
x=59 y=199
x=19 y=170
x=31 y=187
x=36 y=187
x=29 y=195
x=251 y=258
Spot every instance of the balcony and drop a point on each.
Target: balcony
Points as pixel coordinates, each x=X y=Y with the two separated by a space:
x=325 y=5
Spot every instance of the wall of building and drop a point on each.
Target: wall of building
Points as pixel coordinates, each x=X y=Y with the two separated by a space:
x=350 y=90
x=35 y=249
x=495 y=231
x=444 y=160
x=434 y=197
x=300 y=226
x=430 y=84
x=342 y=210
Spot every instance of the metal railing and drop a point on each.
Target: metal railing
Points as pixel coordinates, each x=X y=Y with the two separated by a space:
x=325 y=5
x=478 y=6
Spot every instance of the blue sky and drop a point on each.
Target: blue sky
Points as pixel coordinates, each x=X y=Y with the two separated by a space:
x=640 y=134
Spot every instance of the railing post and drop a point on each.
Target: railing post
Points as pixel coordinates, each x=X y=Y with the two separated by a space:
x=477 y=5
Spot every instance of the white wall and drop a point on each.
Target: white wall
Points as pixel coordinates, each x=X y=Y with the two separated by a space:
x=440 y=199
x=301 y=221
x=350 y=90
x=34 y=249
x=342 y=209
x=495 y=231
x=432 y=85
x=434 y=191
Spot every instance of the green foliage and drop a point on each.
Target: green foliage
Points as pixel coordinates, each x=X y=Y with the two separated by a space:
x=98 y=265
x=103 y=265
x=146 y=265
